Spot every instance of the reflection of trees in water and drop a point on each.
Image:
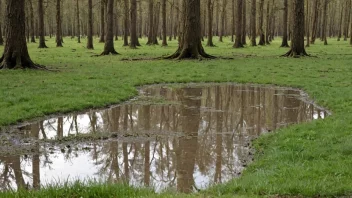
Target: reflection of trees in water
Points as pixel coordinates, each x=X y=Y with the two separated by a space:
x=216 y=142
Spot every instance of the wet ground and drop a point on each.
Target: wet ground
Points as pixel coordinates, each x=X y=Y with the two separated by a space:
x=179 y=137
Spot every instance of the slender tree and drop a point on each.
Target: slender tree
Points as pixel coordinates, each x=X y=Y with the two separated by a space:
x=308 y=24
x=16 y=54
x=133 y=20
x=297 y=46
x=32 y=21
x=41 y=25
x=284 y=21
x=78 y=23
x=253 y=22
x=58 y=24
x=190 y=45
x=325 y=21
x=102 y=21
x=315 y=20
x=125 y=21
x=90 y=25
x=210 y=7
x=151 y=22
x=238 y=40
x=1 y=39
x=163 y=11
x=261 y=23
x=244 y=22
x=109 y=39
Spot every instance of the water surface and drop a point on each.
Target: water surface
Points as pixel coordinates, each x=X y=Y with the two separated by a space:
x=183 y=137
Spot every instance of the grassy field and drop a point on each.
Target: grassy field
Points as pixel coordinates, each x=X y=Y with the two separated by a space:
x=309 y=160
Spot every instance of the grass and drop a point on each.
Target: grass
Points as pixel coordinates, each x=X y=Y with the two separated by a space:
x=304 y=160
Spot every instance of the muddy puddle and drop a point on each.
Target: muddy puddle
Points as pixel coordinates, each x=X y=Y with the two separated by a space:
x=180 y=138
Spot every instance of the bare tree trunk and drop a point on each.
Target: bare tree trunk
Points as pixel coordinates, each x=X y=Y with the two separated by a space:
x=347 y=18
x=233 y=21
x=1 y=37
x=285 y=20
x=210 y=7
x=267 y=27
x=190 y=45
x=172 y=5
x=325 y=21
x=90 y=25
x=102 y=21
x=16 y=53
x=163 y=11
x=340 y=22
x=125 y=20
x=78 y=23
x=315 y=20
x=156 y=24
x=151 y=22
x=133 y=14
x=253 y=22
x=109 y=39
x=222 y=21
x=58 y=24
x=41 y=25
x=244 y=23
x=238 y=40
x=32 y=21
x=308 y=24
x=261 y=21
x=297 y=47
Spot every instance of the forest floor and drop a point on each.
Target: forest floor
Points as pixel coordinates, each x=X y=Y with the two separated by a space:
x=312 y=159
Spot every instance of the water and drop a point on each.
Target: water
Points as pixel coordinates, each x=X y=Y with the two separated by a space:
x=183 y=138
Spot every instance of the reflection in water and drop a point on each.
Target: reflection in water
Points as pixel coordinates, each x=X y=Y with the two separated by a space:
x=200 y=138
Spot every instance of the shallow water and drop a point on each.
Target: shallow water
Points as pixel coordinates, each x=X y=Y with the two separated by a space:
x=183 y=138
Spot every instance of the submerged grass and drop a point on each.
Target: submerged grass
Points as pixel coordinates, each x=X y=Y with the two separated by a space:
x=304 y=160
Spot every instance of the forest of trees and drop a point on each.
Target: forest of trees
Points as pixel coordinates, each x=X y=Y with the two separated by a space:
x=298 y=22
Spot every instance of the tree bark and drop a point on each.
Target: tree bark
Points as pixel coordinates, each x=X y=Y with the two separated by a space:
x=238 y=40
x=16 y=52
x=190 y=45
x=172 y=5
x=1 y=37
x=133 y=14
x=78 y=23
x=102 y=21
x=151 y=22
x=340 y=22
x=233 y=20
x=222 y=20
x=58 y=24
x=315 y=20
x=163 y=11
x=253 y=22
x=261 y=21
x=244 y=22
x=325 y=21
x=297 y=46
x=90 y=25
x=32 y=21
x=267 y=27
x=210 y=7
x=109 y=39
x=41 y=25
x=308 y=24
x=125 y=22
x=285 y=20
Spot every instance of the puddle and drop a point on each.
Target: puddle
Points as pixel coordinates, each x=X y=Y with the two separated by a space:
x=180 y=138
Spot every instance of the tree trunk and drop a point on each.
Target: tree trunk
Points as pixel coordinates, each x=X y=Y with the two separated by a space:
x=78 y=23
x=347 y=19
x=190 y=45
x=261 y=21
x=253 y=22
x=1 y=38
x=308 y=23
x=102 y=21
x=125 y=22
x=109 y=39
x=133 y=13
x=222 y=21
x=41 y=25
x=315 y=21
x=267 y=27
x=210 y=7
x=233 y=21
x=297 y=46
x=325 y=21
x=16 y=53
x=340 y=23
x=238 y=40
x=58 y=24
x=90 y=25
x=156 y=24
x=244 y=22
x=285 y=20
x=163 y=11
x=32 y=21
x=151 y=22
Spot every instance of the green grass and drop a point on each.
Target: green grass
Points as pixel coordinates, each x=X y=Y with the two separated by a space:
x=310 y=159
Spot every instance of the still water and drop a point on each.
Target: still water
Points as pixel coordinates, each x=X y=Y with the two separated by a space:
x=182 y=138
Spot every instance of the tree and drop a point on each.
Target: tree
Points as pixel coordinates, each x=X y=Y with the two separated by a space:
x=297 y=46
x=163 y=11
x=253 y=22
x=102 y=21
x=58 y=24
x=190 y=45
x=151 y=23
x=261 y=23
x=315 y=20
x=244 y=22
x=15 y=54
x=109 y=39
x=210 y=7
x=125 y=21
x=285 y=20
x=41 y=25
x=1 y=39
x=78 y=23
x=325 y=21
x=133 y=14
x=238 y=40
x=90 y=25
x=32 y=21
